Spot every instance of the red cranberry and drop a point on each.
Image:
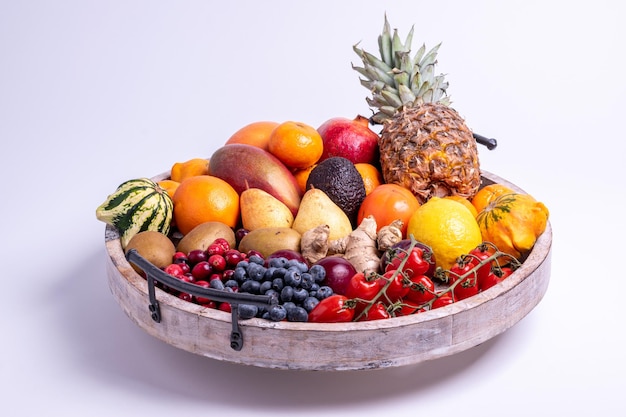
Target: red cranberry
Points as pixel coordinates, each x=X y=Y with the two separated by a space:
x=233 y=257
x=223 y=243
x=215 y=249
x=201 y=270
x=203 y=300
x=218 y=263
x=197 y=255
x=174 y=270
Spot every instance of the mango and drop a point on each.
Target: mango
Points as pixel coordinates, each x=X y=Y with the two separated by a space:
x=246 y=166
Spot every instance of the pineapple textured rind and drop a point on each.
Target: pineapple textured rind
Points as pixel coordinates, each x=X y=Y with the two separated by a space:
x=425 y=145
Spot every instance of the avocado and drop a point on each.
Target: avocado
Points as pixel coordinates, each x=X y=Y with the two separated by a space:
x=341 y=181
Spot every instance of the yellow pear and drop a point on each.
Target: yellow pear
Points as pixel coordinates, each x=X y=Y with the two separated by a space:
x=316 y=209
x=260 y=209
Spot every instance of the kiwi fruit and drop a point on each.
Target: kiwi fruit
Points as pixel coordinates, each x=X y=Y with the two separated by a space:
x=155 y=247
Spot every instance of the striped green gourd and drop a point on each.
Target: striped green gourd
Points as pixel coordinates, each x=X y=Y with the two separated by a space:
x=137 y=205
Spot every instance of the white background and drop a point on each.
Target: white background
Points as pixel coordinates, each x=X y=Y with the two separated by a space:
x=95 y=93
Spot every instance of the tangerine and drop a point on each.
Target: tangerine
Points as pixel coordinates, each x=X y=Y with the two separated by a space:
x=255 y=134
x=190 y=168
x=296 y=144
x=465 y=202
x=301 y=176
x=169 y=186
x=372 y=177
x=487 y=194
x=205 y=198
x=389 y=202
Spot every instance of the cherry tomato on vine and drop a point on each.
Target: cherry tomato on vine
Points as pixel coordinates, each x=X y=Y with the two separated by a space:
x=421 y=290
x=376 y=311
x=415 y=263
x=466 y=288
x=333 y=309
x=443 y=300
x=364 y=287
x=408 y=307
x=397 y=286
x=478 y=255
x=495 y=277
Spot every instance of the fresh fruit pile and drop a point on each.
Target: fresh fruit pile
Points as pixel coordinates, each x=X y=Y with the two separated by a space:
x=342 y=197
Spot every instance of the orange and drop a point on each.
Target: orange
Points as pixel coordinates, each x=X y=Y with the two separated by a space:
x=190 y=168
x=296 y=144
x=465 y=202
x=205 y=198
x=302 y=175
x=389 y=202
x=487 y=194
x=255 y=134
x=169 y=186
x=372 y=177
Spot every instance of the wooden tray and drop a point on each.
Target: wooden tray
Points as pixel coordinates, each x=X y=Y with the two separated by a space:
x=376 y=344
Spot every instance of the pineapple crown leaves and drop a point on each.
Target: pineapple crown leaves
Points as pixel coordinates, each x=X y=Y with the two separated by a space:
x=396 y=79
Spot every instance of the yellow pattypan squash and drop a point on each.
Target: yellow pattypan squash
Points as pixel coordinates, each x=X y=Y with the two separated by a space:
x=513 y=222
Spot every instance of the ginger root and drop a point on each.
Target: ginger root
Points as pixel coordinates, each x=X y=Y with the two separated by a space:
x=314 y=243
x=361 y=250
x=389 y=235
x=362 y=247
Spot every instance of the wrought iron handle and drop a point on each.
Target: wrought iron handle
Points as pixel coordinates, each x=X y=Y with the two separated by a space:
x=154 y=273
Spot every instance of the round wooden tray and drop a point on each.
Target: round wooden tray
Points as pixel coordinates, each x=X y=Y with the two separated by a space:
x=376 y=344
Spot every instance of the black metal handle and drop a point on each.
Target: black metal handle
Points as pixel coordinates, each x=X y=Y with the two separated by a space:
x=154 y=273
x=490 y=143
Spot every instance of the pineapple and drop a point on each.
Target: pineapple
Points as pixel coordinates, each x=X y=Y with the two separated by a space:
x=425 y=145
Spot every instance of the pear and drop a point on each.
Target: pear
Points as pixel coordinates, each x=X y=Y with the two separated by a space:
x=316 y=209
x=260 y=209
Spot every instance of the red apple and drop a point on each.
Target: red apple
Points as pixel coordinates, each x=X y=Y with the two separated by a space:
x=351 y=139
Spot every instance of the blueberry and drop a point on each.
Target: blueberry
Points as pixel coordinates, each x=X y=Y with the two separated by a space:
x=324 y=292
x=307 y=281
x=231 y=283
x=293 y=277
x=247 y=311
x=279 y=262
x=250 y=286
x=256 y=259
x=280 y=272
x=299 y=295
x=318 y=272
x=265 y=286
x=243 y=264
x=289 y=305
x=216 y=284
x=309 y=303
x=272 y=293
x=302 y=267
x=277 y=313
x=240 y=274
x=269 y=273
x=256 y=272
x=278 y=284
x=297 y=314
x=286 y=294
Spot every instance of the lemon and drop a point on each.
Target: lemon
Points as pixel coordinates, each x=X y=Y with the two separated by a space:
x=448 y=227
